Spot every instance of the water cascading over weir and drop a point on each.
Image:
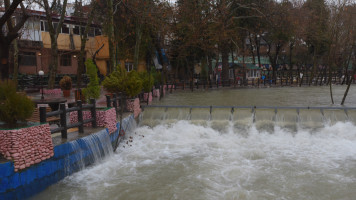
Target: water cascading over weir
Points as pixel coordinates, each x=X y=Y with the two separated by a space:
x=195 y=152
x=241 y=118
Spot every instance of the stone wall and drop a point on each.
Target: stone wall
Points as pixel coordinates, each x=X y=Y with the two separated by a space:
x=156 y=93
x=26 y=146
x=134 y=106
x=104 y=118
x=149 y=96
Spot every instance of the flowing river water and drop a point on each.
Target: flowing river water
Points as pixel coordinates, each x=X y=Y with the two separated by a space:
x=223 y=158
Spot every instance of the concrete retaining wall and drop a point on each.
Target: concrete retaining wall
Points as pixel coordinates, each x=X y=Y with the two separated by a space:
x=67 y=159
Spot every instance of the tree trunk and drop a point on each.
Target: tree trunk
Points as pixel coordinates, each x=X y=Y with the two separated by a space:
x=83 y=41
x=314 y=66
x=111 y=36
x=348 y=85
x=352 y=77
x=258 y=50
x=291 y=47
x=54 y=32
x=4 y=62
x=192 y=75
x=243 y=68
x=53 y=67
x=329 y=64
x=225 y=61
x=251 y=49
x=81 y=65
x=137 y=45
x=16 y=62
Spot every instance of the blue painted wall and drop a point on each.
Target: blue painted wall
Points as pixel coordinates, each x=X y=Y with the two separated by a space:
x=67 y=159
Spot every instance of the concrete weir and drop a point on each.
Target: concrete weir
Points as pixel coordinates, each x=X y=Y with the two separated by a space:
x=261 y=117
x=68 y=158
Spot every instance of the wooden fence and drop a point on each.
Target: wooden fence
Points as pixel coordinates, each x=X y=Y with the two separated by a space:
x=62 y=112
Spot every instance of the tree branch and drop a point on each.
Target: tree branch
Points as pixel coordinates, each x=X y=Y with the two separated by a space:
x=97 y=51
x=11 y=9
x=54 y=2
x=60 y=23
x=24 y=18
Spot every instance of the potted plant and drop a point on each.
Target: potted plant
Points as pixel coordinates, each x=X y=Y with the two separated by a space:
x=147 y=81
x=128 y=83
x=14 y=107
x=115 y=82
x=93 y=88
x=23 y=143
x=66 y=85
x=157 y=78
x=133 y=84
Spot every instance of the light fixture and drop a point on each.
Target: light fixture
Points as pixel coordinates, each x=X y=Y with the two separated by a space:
x=41 y=73
x=74 y=56
x=39 y=54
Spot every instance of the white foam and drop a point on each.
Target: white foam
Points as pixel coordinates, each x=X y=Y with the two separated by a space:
x=187 y=161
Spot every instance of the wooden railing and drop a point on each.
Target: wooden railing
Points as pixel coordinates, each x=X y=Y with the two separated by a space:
x=112 y=102
x=62 y=112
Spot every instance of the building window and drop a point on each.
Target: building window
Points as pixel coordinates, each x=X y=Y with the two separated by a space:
x=28 y=25
x=66 y=59
x=76 y=30
x=65 y=28
x=129 y=66
x=44 y=26
x=97 y=31
x=27 y=58
x=91 y=32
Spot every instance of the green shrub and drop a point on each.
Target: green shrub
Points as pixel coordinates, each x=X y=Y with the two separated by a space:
x=115 y=82
x=157 y=77
x=133 y=84
x=66 y=83
x=14 y=107
x=147 y=81
x=93 y=88
x=120 y=81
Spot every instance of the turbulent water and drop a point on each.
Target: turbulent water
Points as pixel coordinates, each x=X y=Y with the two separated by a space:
x=195 y=159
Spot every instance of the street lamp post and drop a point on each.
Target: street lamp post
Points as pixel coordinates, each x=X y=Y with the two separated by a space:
x=40 y=58
x=41 y=73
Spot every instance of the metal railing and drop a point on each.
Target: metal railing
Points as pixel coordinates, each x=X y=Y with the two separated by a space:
x=35 y=81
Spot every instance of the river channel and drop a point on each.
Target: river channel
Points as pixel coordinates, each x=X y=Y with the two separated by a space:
x=187 y=160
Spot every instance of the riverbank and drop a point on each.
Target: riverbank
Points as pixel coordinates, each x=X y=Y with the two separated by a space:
x=70 y=156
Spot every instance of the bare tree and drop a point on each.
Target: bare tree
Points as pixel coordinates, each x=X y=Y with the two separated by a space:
x=53 y=10
x=10 y=32
x=350 y=41
x=86 y=19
